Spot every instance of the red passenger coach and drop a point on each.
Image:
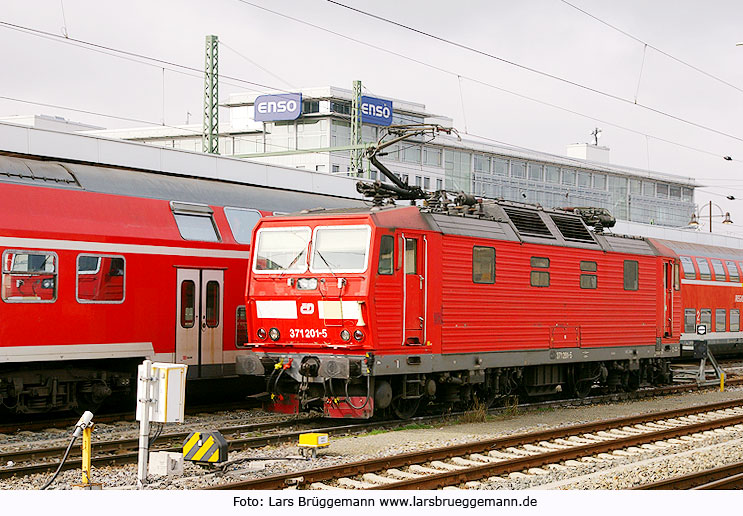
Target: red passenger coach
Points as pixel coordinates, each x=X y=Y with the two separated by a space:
x=390 y=308
x=104 y=267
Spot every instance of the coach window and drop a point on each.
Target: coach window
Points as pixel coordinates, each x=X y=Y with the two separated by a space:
x=386 y=255
x=242 y=222
x=483 y=264
x=588 y=280
x=704 y=272
x=735 y=320
x=705 y=317
x=188 y=304
x=732 y=271
x=688 y=265
x=719 y=269
x=540 y=278
x=690 y=320
x=29 y=277
x=631 y=275
x=720 y=319
x=100 y=278
x=241 y=328
x=195 y=221
x=212 y=304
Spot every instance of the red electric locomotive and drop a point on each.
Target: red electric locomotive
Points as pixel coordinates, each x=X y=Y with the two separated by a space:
x=388 y=308
x=104 y=267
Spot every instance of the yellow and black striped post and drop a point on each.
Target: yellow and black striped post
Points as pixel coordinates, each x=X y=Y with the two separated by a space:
x=205 y=448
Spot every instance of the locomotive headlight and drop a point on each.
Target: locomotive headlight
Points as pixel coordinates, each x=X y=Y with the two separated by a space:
x=358 y=335
x=306 y=283
x=345 y=335
x=261 y=334
x=274 y=334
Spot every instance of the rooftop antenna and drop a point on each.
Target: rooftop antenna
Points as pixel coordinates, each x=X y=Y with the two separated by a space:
x=596 y=135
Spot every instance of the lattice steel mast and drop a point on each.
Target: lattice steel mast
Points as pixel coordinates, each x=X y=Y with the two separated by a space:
x=210 y=135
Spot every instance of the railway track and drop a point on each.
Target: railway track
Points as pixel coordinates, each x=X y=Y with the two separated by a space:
x=724 y=477
x=469 y=463
x=124 y=451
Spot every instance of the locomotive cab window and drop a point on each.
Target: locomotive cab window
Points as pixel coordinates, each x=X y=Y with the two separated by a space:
x=411 y=256
x=195 y=221
x=631 y=275
x=29 y=277
x=540 y=278
x=688 y=265
x=340 y=249
x=100 y=278
x=242 y=222
x=281 y=250
x=483 y=264
x=386 y=255
x=588 y=281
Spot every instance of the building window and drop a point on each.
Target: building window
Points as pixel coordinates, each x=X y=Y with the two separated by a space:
x=648 y=189
x=735 y=320
x=439 y=184
x=552 y=174
x=500 y=167
x=518 y=169
x=411 y=154
x=29 y=277
x=536 y=172
x=568 y=177
x=432 y=156
x=720 y=324
x=599 y=181
x=241 y=327
x=481 y=164
x=336 y=169
x=688 y=265
x=100 y=278
x=242 y=222
x=344 y=108
x=584 y=179
x=483 y=264
x=690 y=320
x=631 y=275
x=426 y=183
x=661 y=190
x=540 y=278
x=386 y=255
x=418 y=181
x=310 y=106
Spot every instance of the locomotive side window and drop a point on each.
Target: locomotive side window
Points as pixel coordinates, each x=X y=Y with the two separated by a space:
x=241 y=223
x=690 y=320
x=386 y=255
x=411 y=256
x=720 y=319
x=705 y=317
x=241 y=328
x=688 y=265
x=631 y=275
x=188 y=304
x=100 y=278
x=733 y=271
x=719 y=269
x=212 y=304
x=29 y=277
x=589 y=281
x=704 y=271
x=483 y=264
x=540 y=278
x=735 y=320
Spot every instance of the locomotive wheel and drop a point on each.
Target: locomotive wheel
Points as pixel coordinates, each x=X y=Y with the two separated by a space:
x=405 y=408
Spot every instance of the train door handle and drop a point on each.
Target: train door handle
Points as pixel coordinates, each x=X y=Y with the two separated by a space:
x=420 y=277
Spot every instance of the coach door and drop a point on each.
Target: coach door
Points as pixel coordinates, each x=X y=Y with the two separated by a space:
x=668 y=282
x=199 y=321
x=414 y=289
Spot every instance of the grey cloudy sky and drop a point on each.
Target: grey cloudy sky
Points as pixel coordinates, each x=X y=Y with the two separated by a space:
x=547 y=35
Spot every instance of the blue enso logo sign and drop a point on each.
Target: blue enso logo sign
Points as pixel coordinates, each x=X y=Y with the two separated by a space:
x=286 y=106
x=376 y=111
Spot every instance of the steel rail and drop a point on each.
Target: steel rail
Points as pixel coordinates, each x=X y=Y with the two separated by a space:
x=729 y=474
x=376 y=465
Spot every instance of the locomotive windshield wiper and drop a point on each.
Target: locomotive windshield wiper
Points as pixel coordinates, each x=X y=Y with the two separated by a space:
x=330 y=268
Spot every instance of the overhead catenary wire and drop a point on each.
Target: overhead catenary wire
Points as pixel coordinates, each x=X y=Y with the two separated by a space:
x=538 y=72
